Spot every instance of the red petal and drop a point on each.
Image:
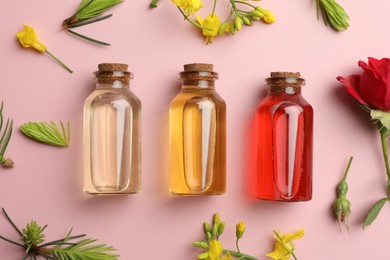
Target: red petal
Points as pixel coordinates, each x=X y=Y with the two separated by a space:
x=351 y=84
x=381 y=68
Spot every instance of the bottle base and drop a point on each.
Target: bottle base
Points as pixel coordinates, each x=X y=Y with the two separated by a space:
x=200 y=193
x=281 y=199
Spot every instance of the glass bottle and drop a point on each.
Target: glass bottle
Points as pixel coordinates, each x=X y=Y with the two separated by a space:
x=197 y=128
x=284 y=128
x=112 y=126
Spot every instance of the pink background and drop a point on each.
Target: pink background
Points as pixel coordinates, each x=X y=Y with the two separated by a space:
x=46 y=184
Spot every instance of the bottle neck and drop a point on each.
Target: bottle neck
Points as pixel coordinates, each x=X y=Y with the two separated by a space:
x=200 y=80
x=114 y=84
x=285 y=86
x=112 y=79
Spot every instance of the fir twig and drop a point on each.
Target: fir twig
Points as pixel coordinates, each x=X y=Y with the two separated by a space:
x=333 y=14
x=84 y=249
x=5 y=137
x=89 y=11
x=47 y=133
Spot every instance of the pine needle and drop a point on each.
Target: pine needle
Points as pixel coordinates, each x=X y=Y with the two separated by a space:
x=47 y=133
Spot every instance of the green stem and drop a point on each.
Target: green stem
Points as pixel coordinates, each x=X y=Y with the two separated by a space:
x=238 y=248
x=245 y=3
x=234 y=253
x=233 y=2
x=347 y=169
x=192 y=22
x=60 y=62
x=383 y=132
x=153 y=4
x=293 y=255
x=215 y=4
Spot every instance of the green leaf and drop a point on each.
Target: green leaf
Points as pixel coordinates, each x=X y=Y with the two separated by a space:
x=47 y=133
x=374 y=212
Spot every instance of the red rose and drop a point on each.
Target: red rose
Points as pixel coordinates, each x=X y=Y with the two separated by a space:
x=372 y=88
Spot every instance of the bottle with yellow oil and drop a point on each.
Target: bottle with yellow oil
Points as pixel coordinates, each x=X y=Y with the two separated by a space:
x=197 y=129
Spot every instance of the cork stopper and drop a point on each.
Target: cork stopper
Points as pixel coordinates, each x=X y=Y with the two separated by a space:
x=198 y=67
x=285 y=75
x=113 y=67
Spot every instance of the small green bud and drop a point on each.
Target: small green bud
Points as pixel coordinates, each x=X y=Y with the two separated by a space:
x=204 y=245
x=207 y=227
x=256 y=18
x=217 y=218
x=209 y=236
x=221 y=31
x=203 y=256
x=196 y=243
x=232 y=29
x=215 y=229
x=238 y=23
x=221 y=228
x=246 y=20
x=256 y=13
x=342 y=189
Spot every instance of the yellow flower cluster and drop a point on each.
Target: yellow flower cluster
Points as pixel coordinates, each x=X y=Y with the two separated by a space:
x=211 y=26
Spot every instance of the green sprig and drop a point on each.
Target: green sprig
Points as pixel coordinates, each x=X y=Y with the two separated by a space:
x=333 y=14
x=5 y=137
x=89 y=11
x=65 y=249
x=47 y=133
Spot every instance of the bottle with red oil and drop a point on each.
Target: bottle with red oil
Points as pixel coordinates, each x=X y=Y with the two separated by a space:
x=284 y=141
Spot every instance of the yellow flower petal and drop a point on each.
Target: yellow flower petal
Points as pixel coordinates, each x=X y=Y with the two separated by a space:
x=215 y=250
x=189 y=6
x=212 y=23
x=293 y=236
x=28 y=38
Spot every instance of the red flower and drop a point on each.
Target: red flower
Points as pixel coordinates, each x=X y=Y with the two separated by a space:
x=372 y=88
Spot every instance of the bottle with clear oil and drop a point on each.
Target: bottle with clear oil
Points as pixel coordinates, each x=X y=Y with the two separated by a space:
x=112 y=126
x=197 y=129
x=284 y=145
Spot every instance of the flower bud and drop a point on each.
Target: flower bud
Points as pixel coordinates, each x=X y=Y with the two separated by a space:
x=203 y=256
x=196 y=243
x=217 y=218
x=204 y=245
x=342 y=210
x=215 y=229
x=232 y=29
x=209 y=236
x=238 y=23
x=256 y=13
x=221 y=30
x=240 y=228
x=246 y=20
x=207 y=227
x=268 y=17
x=221 y=228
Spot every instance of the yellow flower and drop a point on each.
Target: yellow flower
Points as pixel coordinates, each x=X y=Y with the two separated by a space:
x=214 y=252
x=284 y=248
x=267 y=16
x=211 y=26
x=28 y=38
x=240 y=228
x=189 y=6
